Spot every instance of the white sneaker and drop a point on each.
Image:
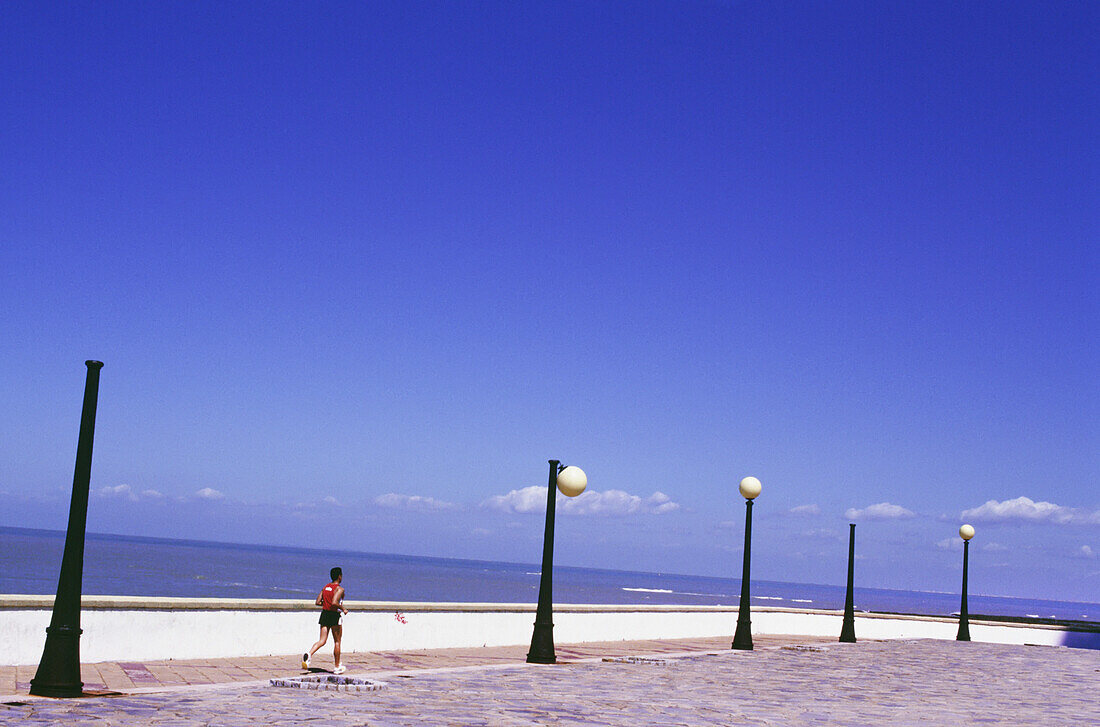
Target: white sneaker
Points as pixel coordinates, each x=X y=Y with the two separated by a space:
x=305 y=661
x=339 y=670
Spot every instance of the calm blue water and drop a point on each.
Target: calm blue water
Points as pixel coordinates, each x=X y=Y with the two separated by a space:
x=132 y=566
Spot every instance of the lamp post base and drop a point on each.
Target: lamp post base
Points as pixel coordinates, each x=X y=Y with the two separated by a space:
x=70 y=691
x=742 y=638
x=542 y=645
x=58 y=673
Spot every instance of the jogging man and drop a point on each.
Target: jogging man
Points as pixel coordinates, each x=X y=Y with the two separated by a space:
x=331 y=601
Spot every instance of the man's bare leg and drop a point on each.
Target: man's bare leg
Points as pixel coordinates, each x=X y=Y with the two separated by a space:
x=321 y=641
x=337 y=634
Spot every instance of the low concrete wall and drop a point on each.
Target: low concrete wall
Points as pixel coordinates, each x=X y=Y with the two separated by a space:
x=126 y=628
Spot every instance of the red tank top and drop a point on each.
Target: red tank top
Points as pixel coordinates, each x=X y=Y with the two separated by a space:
x=327 y=594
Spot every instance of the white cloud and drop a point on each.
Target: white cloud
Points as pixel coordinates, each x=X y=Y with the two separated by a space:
x=618 y=502
x=879 y=511
x=659 y=503
x=1085 y=552
x=302 y=506
x=125 y=492
x=610 y=502
x=118 y=491
x=529 y=499
x=957 y=544
x=824 y=533
x=418 y=503
x=805 y=510
x=1024 y=509
x=209 y=493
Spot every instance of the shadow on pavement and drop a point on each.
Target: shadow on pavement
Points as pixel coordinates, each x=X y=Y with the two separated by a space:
x=1081 y=639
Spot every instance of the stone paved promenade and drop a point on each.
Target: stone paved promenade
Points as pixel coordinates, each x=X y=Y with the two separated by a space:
x=783 y=682
x=130 y=676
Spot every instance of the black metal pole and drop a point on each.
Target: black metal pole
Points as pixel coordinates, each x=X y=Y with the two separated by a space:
x=848 y=629
x=964 y=616
x=742 y=638
x=58 y=672
x=542 y=639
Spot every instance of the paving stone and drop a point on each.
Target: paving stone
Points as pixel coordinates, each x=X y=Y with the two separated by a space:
x=920 y=683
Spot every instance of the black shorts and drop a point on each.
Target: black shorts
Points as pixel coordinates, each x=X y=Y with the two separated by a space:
x=330 y=618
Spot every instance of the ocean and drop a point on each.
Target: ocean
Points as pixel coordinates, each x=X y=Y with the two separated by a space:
x=137 y=566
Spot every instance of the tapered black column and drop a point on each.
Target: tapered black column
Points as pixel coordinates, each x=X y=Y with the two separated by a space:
x=542 y=639
x=848 y=629
x=742 y=638
x=58 y=672
x=964 y=616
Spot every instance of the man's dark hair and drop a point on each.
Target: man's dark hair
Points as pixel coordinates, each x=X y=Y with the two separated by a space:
x=335 y=573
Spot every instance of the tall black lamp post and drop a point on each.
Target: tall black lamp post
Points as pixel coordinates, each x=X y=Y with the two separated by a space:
x=848 y=628
x=570 y=481
x=58 y=672
x=966 y=532
x=742 y=638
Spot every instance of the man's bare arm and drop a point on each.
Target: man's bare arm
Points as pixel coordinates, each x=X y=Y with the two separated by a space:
x=338 y=599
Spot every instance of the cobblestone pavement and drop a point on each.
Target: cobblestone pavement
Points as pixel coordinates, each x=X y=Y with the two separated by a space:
x=870 y=683
x=129 y=676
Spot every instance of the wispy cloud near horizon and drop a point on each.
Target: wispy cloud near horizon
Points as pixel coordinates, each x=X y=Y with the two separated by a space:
x=950 y=544
x=804 y=510
x=880 y=511
x=1024 y=509
x=416 y=503
x=609 y=502
x=126 y=492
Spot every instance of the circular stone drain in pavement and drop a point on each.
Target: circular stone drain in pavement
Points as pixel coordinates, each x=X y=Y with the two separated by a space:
x=330 y=682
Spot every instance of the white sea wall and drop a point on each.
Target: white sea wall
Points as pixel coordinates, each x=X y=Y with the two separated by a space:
x=136 y=629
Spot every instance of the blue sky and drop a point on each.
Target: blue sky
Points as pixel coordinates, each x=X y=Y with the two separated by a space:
x=357 y=272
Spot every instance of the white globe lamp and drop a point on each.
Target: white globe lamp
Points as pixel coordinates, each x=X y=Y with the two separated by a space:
x=750 y=487
x=572 y=481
